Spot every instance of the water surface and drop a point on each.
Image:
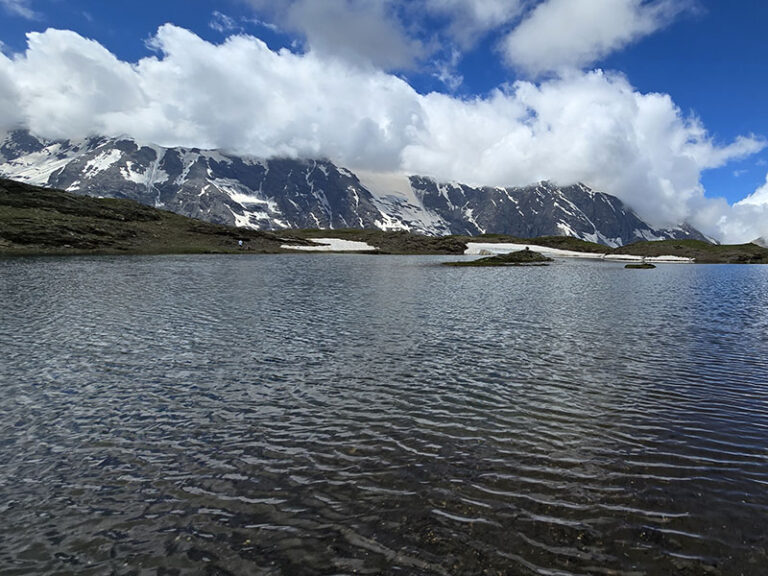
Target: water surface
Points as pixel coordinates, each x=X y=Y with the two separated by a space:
x=328 y=414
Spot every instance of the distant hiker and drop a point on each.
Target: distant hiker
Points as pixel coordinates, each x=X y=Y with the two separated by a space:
x=240 y=243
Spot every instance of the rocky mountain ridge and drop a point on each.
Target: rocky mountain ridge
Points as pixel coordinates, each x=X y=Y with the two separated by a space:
x=275 y=194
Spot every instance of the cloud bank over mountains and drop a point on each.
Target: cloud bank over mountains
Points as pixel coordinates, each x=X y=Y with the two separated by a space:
x=342 y=101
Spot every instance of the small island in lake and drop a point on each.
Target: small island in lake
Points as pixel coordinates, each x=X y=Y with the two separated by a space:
x=520 y=258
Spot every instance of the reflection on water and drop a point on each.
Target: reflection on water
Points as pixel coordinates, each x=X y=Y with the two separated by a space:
x=377 y=415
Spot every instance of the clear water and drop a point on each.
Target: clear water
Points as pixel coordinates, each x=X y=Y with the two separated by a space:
x=381 y=415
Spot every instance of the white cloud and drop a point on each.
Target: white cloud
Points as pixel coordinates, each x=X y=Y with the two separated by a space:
x=71 y=86
x=241 y=95
x=222 y=23
x=391 y=34
x=358 y=31
x=401 y=34
x=263 y=24
x=11 y=115
x=594 y=128
x=561 y=34
x=446 y=72
x=469 y=19
x=19 y=8
x=758 y=198
x=485 y=13
x=591 y=127
x=743 y=222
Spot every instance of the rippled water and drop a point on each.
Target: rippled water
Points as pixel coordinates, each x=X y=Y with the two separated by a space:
x=381 y=415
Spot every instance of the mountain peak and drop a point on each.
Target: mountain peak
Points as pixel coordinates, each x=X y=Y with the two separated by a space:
x=281 y=193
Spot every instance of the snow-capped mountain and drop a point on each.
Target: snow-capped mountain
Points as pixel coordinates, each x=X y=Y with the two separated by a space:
x=541 y=209
x=288 y=193
x=204 y=184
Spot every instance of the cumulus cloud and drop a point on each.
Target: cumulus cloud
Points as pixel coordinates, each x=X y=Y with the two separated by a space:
x=239 y=95
x=358 y=31
x=10 y=110
x=758 y=198
x=538 y=36
x=575 y=33
x=484 y=13
x=469 y=18
x=391 y=34
x=747 y=220
x=70 y=86
x=744 y=222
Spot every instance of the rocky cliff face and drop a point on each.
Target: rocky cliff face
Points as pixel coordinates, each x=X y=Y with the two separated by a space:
x=289 y=193
x=542 y=209
x=205 y=184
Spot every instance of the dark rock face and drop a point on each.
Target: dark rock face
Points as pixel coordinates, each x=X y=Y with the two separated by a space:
x=210 y=185
x=540 y=210
x=293 y=193
x=19 y=143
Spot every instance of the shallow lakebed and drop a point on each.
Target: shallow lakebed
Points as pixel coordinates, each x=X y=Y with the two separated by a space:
x=338 y=414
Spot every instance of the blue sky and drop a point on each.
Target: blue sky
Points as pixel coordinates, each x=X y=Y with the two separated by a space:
x=489 y=59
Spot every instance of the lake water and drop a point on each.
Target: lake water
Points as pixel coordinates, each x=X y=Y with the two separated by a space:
x=340 y=414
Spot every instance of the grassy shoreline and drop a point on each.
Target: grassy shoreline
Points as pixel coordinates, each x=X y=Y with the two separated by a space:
x=37 y=221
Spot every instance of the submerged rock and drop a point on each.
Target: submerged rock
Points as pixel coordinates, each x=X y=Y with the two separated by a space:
x=521 y=258
x=641 y=266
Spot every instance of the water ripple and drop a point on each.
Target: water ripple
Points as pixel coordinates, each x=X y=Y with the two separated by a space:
x=373 y=415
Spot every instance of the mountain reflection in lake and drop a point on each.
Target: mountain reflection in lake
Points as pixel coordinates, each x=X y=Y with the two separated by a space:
x=381 y=415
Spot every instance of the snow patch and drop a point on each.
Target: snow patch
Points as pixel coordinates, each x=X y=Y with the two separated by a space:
x=381 y=184
x=101 y=162
x=333 y=245
x=258 y=212
x=241 y=220
x=188 y=159
x=397 y=213
x=469 y=216
x=399 y=206
x=148 y=177
x=37 y=167
x=646 y=234
x=600 y=238
x=566 y=230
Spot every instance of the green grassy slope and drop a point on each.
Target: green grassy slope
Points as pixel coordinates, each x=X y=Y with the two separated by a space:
x=37 y=220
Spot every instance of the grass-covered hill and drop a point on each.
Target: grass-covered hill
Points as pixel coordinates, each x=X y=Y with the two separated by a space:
x=36 y=220
x=703 y=252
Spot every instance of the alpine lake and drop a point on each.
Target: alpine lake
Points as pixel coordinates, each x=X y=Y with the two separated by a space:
x=367 y=414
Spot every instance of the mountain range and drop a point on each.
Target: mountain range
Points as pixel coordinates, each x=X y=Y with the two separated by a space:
x=283 y=193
